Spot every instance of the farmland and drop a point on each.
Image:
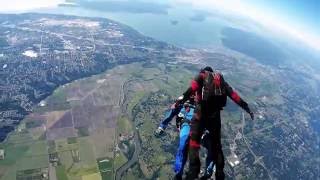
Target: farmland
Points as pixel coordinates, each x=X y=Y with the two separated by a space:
x=85 y=128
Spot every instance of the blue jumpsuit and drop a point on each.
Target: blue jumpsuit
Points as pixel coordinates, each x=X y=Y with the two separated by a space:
x=182 y=153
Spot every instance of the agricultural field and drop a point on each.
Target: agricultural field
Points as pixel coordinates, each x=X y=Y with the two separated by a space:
x=85 y=129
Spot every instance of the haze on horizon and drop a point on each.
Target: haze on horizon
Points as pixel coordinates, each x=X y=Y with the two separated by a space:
x=295 y=18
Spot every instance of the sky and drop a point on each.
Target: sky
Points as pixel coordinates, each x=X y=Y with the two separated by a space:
x=297 y=18
x=304 y=12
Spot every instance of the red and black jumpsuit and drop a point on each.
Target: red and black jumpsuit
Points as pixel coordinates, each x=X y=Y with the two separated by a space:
x=207 y=116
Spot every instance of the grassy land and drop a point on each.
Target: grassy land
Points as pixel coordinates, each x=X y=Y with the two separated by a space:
x=62 y=145
x=56 y=102
x=13 y=154
x=135 y=100
x=61 y=173
x=37 y=148
x=10 y=174
x=95 y=176
x=105 y=166
x=23 y=137
x=87 y=155
x=124 y=125
x=83 y=171
x=119 y=160
x=87 y=164
x=32 y=162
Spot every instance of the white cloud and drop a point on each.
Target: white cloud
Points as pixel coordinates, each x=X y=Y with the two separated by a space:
x=25 y=5
x=271 y=21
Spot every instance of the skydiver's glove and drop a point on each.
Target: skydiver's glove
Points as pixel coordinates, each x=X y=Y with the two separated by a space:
x=251 y=115
x=247 y=109
x=178 y=102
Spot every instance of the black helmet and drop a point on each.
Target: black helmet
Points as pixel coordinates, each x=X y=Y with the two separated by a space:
x=207 y=68
x=190 y=102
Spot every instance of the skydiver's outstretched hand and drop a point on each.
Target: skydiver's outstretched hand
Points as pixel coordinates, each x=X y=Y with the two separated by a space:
x=248 y=110
x=251 y=115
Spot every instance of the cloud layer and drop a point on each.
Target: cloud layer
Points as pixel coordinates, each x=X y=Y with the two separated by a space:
x=25 y=5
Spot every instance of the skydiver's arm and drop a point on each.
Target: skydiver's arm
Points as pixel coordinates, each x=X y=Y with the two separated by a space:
x=170 y=115
x=237 y=99
x=196 y=84
x=186 y=95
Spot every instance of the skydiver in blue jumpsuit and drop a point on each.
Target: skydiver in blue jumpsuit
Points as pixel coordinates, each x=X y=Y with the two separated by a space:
x=184 y=115
x=173 y=112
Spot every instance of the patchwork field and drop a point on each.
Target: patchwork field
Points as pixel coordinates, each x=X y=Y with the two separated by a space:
x=73 y=130
x=84 y=130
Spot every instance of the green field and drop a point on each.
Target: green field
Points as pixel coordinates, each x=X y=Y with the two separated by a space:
x=124 y=125
x=56 y=102
x=61 y=173
x=137 y=96
x=106 y=168
x=119 y=160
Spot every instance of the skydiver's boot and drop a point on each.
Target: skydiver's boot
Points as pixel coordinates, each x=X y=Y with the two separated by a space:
x=178 y=177
x=220 y=165
x=220 y=175
x=209 y=171
x=205 y=177
x=194 y=164
x=159 y=131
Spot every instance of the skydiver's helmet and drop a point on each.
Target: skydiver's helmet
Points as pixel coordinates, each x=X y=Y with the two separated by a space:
x=207 y=68
x=180 y=98
x=189 y=103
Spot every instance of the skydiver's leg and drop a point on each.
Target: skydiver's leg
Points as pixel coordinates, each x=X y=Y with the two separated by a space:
x=194 y=144
x=216 y=145
x=169 y=116
x=181 y=157
x=209 y=159
x=185 y=154
x=186 y=149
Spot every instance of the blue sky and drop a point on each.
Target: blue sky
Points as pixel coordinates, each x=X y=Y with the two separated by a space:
x=305 y=13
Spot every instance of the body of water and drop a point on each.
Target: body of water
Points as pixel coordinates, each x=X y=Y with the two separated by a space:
x=182 y=26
